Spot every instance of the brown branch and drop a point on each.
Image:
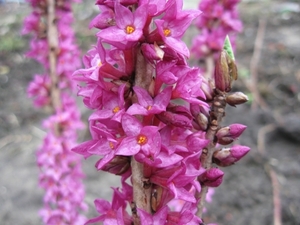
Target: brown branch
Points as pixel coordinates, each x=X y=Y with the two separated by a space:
x=216 y=116
x=141 y=195
x=258 y=100
x=271 y=172
x=53 y=45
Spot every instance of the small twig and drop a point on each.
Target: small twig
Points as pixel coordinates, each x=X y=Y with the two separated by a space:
x=271 y=172
x=141 y=195
x=216 y=116
x=261 y=134
x=258 y=100
x=276 y=197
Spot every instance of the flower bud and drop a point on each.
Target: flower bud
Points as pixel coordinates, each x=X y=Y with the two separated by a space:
x=176 y=115
x=207 y=88
x=223 y=132
x=236 y=130
x=227 y=135
x=225 y=72
x=152 y=52
x=212 y=177
x=202 y=121
x=236 y=98
x=228 y=156
x=118 y=165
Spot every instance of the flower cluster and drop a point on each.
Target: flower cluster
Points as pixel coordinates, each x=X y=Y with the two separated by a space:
x=152 y=113
x=60 y=169
x=218 y=19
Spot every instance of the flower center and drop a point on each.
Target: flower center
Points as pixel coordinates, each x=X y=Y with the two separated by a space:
x=130 y=29
x=167 y=32
x=111 y=145
x=116 y=109
x=149 y=107
x=142 y=139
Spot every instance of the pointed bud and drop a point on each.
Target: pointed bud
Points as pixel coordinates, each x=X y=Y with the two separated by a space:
x=236 y=98
x=228 y=156
x=236 y=130
x=176 y=115
x=212 y=177
x=225 y=72
x=226 y=135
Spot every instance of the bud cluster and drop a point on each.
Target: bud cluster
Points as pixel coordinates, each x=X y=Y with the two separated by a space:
x=60 y=169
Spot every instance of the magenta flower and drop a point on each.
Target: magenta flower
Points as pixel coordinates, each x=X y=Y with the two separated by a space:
x=129 y=26
x=147 y=105
x=140 y=139
x=114 y=107
x=105 y=19
x=159 y=218
x=112 y=213
x=188 y=88
x=39 y=89
x=172 y=27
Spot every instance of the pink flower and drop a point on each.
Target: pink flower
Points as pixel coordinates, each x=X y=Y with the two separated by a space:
x=147 y=105
x=129 y=26
x=139 y=139
x=173 y=25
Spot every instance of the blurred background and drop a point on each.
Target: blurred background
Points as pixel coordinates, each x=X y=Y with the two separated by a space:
x=263 y=188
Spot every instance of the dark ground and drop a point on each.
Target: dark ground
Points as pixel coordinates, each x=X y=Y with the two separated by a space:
x=247 y=193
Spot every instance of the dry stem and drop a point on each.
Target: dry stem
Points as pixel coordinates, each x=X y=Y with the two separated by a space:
x=53 y=44
x=258 y=100
x=271 y=172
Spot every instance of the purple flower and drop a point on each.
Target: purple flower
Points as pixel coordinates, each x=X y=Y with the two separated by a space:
x=129 y=26
x=140 y=139
x=147 y=105
x=173 y=25
x=114 y=107
x=112 y=213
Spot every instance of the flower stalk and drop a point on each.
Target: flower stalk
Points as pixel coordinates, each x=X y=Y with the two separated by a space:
x=60 y=169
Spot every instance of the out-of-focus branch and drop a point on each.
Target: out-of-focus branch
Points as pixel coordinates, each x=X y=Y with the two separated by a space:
x=271 y=172
x=258 y=100
x=53 y=44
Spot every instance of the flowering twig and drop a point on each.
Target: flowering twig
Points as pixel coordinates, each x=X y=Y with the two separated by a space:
x=216 y=115
x=60 y=169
